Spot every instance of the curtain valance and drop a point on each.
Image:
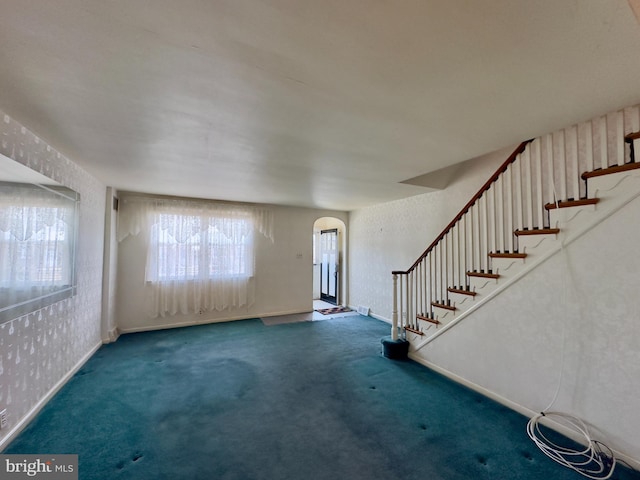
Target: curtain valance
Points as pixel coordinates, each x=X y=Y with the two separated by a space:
x=25 y=210
x=136 y=213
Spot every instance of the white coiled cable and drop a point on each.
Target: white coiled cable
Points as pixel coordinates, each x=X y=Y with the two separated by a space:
x=595 y=461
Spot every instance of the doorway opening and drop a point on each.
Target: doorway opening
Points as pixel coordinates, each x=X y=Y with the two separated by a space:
x=329 y=269
x=329 y=266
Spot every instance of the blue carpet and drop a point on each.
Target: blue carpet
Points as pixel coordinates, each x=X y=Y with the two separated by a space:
x=310 y=400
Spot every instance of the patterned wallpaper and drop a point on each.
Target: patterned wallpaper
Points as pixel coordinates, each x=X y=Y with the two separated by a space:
x=396 y=233
x=37 y=350
x=576 y=313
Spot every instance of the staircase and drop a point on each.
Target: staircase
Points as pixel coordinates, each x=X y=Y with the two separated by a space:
x=550 y=191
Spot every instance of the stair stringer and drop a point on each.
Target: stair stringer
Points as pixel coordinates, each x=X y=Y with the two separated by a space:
x=615 y=191
x=595 y=348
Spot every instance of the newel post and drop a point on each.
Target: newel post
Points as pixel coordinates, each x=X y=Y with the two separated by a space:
x=393 y=347
x=394 y=314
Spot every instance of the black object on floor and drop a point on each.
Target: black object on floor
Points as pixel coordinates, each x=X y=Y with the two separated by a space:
x=395 y=349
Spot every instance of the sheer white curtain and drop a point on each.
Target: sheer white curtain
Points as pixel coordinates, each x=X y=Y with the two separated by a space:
x=200 y=255
x=35 y=243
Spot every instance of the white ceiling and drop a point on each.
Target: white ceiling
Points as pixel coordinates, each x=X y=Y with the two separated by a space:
x=326 y=103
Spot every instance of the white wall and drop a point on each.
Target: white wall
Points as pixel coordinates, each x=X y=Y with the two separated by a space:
x=512 y=346
x=109 y=275
x=283 y=280
x=39 y=350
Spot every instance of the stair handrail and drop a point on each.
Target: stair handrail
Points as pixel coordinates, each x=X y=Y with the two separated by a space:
x=512 y=158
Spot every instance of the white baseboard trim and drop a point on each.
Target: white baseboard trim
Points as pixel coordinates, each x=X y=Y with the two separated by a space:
x=527 y=412
x=112 y=336
x=379 y=317
x=24 y=421
x=192 y=323
x=286 y=312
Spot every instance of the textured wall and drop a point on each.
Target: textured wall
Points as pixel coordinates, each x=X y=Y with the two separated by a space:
x=390 y=236
x=283 y=282
x=583 y=301
x=110 y=271
x=514 y=345
x=37 y=350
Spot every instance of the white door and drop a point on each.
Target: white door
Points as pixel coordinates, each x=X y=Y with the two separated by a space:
x=329 y=265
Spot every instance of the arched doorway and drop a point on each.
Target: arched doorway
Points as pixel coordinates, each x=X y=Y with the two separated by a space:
x=329 y=261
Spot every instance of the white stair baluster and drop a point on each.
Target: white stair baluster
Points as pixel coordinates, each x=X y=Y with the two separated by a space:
x=536 y=147
x=432 y=275
x=445 y=284
x=551 y=192
x=483 y=227
x=441 y=265
x=604 y=154
x=574 y=175
x=477 y=234
x=517 y=192
x=500 y=244
x=409 y=298
x=526 y=192
x=401 y=299
x=394 y=312
x=425 y=273
x=460 y=256
x=493 y=217
x=465 y=248
x=407 y=314
x=561 y=165
x=419 y=289
x=589 y=146
x=620 y=138
x=412 y=284
x=508 y=208
x=454 y=254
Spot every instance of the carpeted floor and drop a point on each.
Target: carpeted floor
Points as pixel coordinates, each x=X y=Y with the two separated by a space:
x=308 y=400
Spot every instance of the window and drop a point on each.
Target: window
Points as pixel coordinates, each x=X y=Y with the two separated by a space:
x=199 y=254
x=186 y=247
x=37 y=246
x=38 y=254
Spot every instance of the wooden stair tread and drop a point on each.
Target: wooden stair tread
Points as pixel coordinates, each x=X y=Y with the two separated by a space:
x=443 y=305
x=463 y=292
x=428 y=319
x=507 y=255
x=572 y=203
x=615 y=169
x=413 y=330
x=537 y=231
x=483 y=275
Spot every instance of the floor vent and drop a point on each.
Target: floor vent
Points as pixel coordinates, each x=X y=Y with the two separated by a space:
x=362 y=310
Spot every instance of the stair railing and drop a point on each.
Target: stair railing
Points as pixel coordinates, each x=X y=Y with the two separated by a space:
x=515 y=201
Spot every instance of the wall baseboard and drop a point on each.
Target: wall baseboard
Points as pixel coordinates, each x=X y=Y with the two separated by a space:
x=112 y=336
x=24 y=421
x=381 y=318
x=285 y=312
x=151 y=328
x=634 y=463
